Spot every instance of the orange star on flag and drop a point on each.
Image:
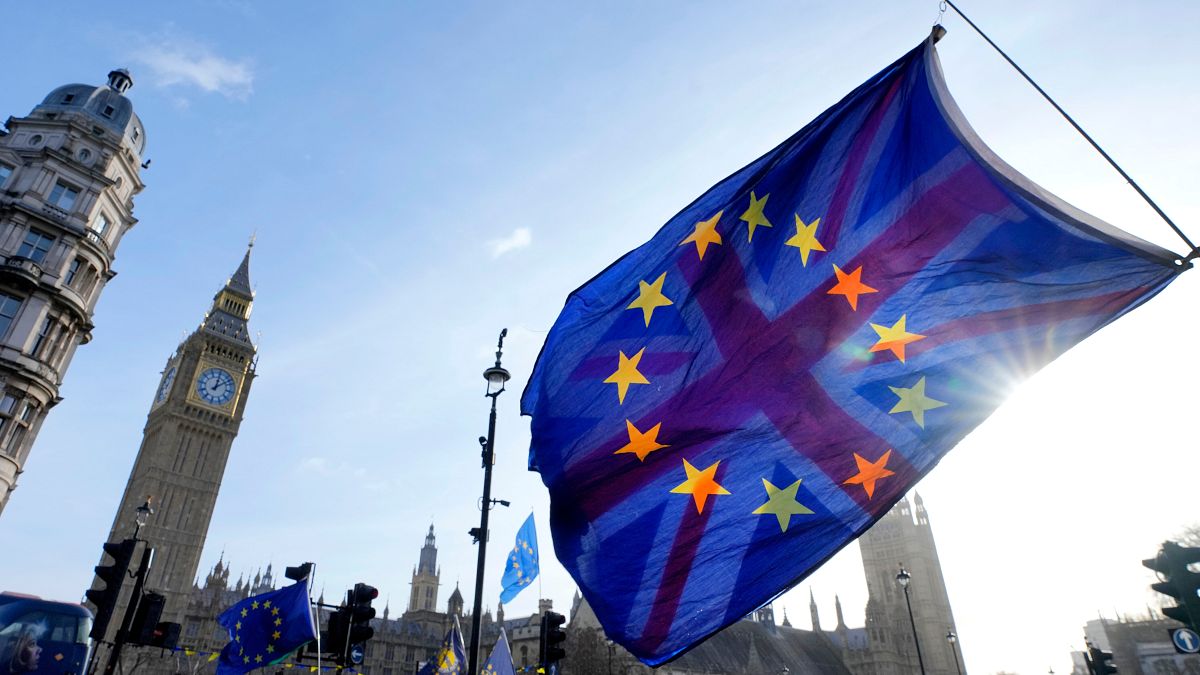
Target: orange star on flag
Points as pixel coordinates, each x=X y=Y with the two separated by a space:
x=641 y=444
x=850 y=285
x=700 y=484
x=869 y=472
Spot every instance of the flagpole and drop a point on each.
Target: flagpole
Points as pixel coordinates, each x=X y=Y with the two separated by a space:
x=496 y=377
x=1193 y=250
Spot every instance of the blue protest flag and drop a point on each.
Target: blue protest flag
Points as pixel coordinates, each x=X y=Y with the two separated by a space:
x=265 y=629
x=521 y=568
x=722 y=409
x=500 y=662
x=451 y=658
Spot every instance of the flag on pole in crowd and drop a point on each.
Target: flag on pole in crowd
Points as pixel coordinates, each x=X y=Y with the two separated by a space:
x=722 y=409
x=500 y=662
x=521 y=567
x=451 y=658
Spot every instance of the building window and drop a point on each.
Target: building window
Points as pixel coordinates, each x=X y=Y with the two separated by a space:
x=43 y=333
x=36 y=246
x=68 y=98
x=13 y=446
x=5 y=172
x=63 y=196
x=8 y=311
x=100 y=224
x=6 y=409
x=73 y=271
x=109 y=110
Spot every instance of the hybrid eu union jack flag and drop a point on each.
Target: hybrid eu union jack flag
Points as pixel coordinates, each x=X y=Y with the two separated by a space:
x=723 y=408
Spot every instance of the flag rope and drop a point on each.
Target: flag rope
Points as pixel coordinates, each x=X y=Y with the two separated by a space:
x=1194 y=251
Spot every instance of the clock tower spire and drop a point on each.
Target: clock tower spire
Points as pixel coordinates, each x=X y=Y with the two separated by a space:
x=194 y=416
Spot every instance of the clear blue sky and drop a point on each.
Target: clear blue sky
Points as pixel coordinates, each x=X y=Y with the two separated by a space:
x=421 y=175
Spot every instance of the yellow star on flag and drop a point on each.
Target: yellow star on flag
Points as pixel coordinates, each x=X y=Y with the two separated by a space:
x=254 y=605
x=274 y=611
x=278 y=622
x=850 y=285
x=258 y=658
x=894 y=338
x=270 y=649
x=782 y=504
x=275 y=635
x=704 y=234
x=245 y=659
x=805 y=239
x=627 y=374
x=754 y=215
x=650 y=297
x=244 y=612
x=267 y=603
x=641 y=444
x=700 y=484
x=869 y=472
x=914 y=400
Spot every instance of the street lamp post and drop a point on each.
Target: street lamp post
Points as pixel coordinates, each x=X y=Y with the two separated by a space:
x=496 y=377
x=903 y=578
x=952 y=639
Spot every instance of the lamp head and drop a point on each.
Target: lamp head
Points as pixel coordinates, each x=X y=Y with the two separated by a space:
x=903 y=577
x=951 y=637
x=144 y=512
x=496 y=377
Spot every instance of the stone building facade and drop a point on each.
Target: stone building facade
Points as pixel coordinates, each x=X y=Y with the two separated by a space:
x=1140 y=646
x=68 y=174
x=884 y=646
x=194 y=416
x=401 y=644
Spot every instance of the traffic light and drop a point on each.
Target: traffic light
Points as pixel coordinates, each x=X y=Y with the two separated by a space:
x=338 y=634
x=350 y=625
x=149 y=611
x=1100 y=661
x=299 y=572
x=1179 y=582
x=165 y=635
x=361 y=613
x=551 y=639
x=113 y=576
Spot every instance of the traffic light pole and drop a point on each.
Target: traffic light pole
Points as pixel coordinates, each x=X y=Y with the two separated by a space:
x=485 y=508
x=130 y=611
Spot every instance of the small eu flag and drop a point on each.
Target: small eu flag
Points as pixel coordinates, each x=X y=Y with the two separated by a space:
x=500 y=662
x=264 y=629
x=722 y=409
x=451 y=658
x=522 y=566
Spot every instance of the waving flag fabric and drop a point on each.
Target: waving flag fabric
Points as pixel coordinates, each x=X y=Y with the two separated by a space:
x=521 y=567
x=500 y=662
x=723 y=408
x=451 y=658
x=265 y=629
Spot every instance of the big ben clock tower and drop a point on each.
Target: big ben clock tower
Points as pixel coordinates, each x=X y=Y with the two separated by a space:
x=194 y=417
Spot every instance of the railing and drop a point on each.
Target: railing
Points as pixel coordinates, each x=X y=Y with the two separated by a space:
x=61 y=215
x=98 y=241
x=25 y=266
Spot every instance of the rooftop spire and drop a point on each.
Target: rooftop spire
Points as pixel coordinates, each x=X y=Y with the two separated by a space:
x=240 y=281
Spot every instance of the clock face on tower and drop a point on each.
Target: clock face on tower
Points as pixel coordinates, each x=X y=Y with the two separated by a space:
x=165 y=387
x=215 y=386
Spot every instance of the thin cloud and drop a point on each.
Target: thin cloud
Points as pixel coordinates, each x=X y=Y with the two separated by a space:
x=174 y=62
x=520 y=238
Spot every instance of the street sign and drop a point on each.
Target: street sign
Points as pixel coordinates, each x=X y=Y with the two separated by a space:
x=356 y=653
x=1186 y=640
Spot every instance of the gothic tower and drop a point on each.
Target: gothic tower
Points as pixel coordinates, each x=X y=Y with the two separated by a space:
x=899 y=539
x=68 y=174
x=194 y=417
x=425 y=577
